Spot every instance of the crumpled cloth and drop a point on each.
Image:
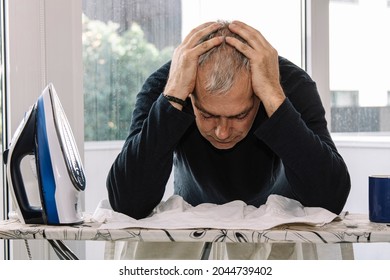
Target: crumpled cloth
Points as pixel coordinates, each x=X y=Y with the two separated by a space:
x=175 y=213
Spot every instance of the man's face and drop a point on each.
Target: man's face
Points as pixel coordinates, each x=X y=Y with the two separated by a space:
x=224 y=119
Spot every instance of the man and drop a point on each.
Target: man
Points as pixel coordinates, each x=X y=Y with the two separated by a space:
x=237 y=121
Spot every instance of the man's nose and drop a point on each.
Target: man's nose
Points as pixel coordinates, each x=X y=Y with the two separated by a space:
x=222 y=130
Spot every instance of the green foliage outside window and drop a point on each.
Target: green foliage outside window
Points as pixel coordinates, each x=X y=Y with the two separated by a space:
x=115 y=67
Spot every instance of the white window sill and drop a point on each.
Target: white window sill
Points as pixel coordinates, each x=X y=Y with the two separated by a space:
x=362 y=140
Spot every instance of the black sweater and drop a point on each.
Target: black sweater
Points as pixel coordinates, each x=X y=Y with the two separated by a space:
x=291 y=154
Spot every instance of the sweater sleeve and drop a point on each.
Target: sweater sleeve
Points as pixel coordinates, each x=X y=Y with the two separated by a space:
x=297 y=132
x=136 y=181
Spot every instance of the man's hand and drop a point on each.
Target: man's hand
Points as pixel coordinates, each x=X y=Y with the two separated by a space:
x=184 y=65
x=264 y=65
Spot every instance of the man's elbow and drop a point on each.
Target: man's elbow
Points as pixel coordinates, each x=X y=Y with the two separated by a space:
x=129 y=208
x=339 y=198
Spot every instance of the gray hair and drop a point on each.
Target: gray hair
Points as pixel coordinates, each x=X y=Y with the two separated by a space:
x=226 y=61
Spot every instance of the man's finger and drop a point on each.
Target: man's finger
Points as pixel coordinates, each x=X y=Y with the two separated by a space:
x=252 y=36
x=245 y=49
x=208 y=45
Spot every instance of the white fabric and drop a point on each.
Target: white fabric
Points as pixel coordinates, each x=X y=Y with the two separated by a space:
x=175 y=213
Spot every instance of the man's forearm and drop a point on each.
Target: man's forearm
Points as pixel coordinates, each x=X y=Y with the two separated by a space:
x=137 y=179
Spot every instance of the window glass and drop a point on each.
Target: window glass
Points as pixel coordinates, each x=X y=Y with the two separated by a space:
x=125 y=41
x=359 y=65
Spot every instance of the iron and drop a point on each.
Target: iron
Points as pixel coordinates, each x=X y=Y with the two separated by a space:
x=45 y=136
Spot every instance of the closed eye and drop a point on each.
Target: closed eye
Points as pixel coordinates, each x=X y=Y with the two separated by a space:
x=240 y=116
x=207 y=116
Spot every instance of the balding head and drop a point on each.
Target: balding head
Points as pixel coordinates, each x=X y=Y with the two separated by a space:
x=221 y=64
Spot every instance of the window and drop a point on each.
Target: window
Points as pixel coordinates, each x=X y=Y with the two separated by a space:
x=125 y=41
x=359 y=59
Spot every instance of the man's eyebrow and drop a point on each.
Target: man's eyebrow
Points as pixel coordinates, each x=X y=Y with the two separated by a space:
x=204 y=111
x=247 y=110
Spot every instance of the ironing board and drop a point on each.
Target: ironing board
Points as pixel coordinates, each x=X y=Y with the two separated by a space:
x=351 y=228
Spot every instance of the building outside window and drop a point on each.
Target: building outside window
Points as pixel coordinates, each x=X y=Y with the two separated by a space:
x=359 y=66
